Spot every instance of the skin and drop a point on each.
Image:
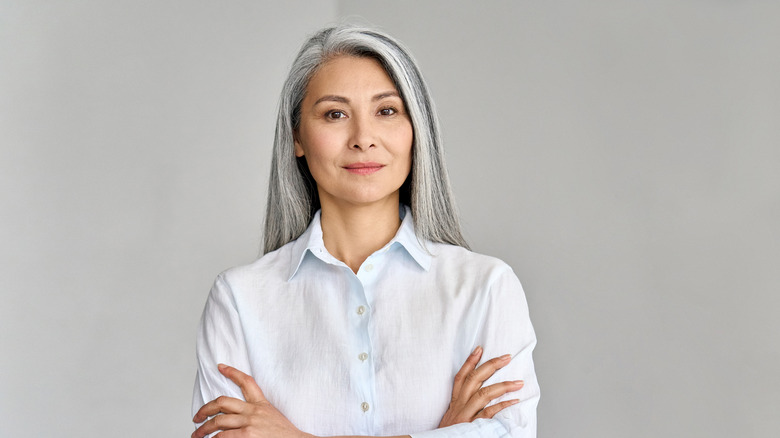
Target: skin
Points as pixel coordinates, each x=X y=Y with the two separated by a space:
x=352 y=113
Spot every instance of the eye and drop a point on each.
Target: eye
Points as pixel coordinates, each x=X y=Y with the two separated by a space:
x=335 y=114
x=389 y=111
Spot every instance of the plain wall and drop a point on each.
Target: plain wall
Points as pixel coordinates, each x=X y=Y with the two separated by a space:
x=135 y=144
x=621 y=156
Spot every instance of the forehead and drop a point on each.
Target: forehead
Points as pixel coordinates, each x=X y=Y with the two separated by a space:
x=349 y=75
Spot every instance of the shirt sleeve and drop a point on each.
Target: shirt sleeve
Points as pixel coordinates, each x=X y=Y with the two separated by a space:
x=488 y=428
x=220 y=339
x=505 y=329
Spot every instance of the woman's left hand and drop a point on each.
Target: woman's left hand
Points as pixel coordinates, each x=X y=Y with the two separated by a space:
x=253 y=418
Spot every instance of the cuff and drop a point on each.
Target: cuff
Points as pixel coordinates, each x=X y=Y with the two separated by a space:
x=482 y=428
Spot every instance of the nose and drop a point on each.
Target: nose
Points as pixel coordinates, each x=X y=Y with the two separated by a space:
x=362 y=136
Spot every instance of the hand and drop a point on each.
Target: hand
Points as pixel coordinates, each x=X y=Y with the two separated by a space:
x=469 y=397
x=255 y=417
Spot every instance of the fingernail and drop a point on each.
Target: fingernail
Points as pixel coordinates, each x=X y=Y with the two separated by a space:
x=476 y=350
x=222 y=366
x=514 y=402
x=519 y=382
x=506 y=357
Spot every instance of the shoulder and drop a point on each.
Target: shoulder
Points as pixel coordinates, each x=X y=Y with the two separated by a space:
x=271 y=268
x=453 y=259
x=447 y=254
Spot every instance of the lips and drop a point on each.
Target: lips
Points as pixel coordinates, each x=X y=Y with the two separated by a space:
x=363 y=168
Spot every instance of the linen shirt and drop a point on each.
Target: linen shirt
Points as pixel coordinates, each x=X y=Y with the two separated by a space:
x=373 y=352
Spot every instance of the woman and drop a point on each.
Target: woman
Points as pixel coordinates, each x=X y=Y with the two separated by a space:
x=367 y=315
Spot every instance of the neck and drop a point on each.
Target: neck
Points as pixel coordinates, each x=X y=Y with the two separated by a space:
x=353 y=233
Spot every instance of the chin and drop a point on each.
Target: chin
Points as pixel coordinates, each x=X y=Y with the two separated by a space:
x=369 y=198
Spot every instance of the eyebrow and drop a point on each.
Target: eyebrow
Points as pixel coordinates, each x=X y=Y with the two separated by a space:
x=385 y=95
x=331 y=98
x=342 y=99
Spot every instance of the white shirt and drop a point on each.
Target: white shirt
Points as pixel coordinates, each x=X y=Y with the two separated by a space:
x=372 y=353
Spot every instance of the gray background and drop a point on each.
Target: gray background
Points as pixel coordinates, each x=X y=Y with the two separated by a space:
x=621 y=156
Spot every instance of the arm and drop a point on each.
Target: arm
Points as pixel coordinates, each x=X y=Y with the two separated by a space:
x=494 y=331
x=220 y=339
x=256 y=417
x=252 y=417
x=505 y=327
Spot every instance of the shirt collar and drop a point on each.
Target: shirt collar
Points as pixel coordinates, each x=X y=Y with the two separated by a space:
x=407 y=238
x=311 y=241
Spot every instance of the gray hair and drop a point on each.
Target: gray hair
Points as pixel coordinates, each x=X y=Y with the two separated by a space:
x=292 y=192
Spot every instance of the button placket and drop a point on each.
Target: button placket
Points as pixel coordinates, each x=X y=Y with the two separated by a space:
x=362 y=361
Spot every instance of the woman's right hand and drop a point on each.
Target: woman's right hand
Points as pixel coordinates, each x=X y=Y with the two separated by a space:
x=469 y=397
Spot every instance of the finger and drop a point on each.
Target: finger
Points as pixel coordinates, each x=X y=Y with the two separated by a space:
x=220 y=405
x=487 y=394
x=490 y=411
x=250 y=389
x=474 y=379
x=220 y=422
x=468 y=366
x=230 y=434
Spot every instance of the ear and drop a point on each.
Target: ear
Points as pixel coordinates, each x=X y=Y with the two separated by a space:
x=298 y=147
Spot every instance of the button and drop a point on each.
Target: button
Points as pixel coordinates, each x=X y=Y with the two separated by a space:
x=369 y=267
x=363 y=356
x=364 y=406
x=361 y=310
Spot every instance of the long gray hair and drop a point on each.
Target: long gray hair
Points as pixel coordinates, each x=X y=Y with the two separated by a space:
x=292 y=192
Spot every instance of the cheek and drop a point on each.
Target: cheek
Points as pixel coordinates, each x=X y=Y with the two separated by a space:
x=316 y=162
x=318 y=144
x=320 y=155
x=404 y=139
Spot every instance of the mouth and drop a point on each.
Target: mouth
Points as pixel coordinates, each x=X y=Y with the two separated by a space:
x=363 y=168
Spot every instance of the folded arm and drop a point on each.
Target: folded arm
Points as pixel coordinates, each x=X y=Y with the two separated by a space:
x=255 y=416
x=490 y=405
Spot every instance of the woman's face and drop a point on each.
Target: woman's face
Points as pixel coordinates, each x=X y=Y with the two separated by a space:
x=355 y=133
